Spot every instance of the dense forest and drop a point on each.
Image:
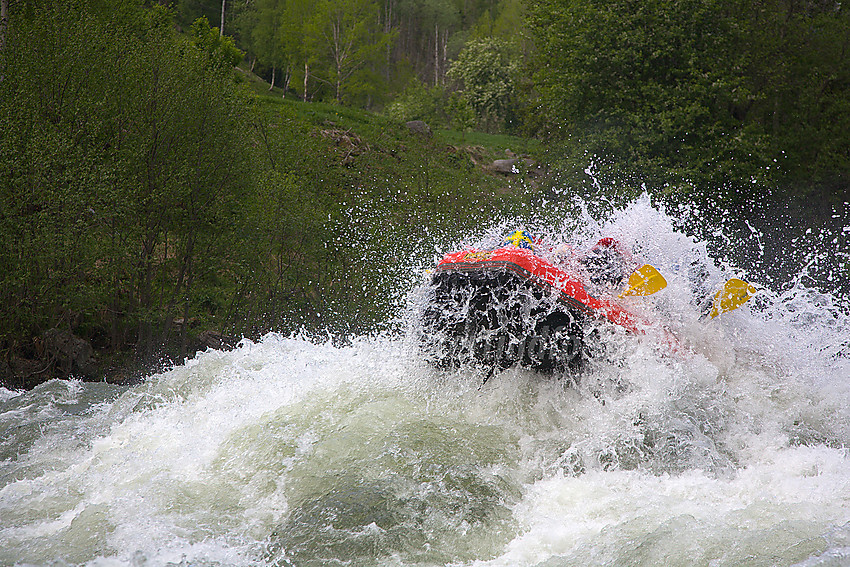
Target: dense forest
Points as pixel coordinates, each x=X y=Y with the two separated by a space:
x=361 y=52
x=156 y=196
x=680 y=94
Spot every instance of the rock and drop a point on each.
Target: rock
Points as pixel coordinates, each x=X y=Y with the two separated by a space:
x=6 y=375
x=419 y=127
x=72 y=355
x=506 y=166
x=513 y=165
x=214 y=340
x=531 y=166
x=347 y=141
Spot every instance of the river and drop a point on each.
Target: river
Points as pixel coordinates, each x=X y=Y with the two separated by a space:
x=304 y=452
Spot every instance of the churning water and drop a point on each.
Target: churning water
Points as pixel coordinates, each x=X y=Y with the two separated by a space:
x=294 y=452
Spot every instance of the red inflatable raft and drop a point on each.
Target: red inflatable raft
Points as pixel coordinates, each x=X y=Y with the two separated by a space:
x=509 y=306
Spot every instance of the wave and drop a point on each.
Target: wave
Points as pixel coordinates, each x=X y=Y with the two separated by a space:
x=289 y=451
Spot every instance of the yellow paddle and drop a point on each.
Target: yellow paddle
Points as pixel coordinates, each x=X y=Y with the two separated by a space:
x=646 y=280
x=734 y=294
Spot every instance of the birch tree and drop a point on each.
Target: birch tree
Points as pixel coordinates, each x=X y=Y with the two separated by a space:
x=4 y=22
x=349 y=33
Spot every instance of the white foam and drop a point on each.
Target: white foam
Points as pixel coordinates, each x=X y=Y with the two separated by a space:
x=732 y=452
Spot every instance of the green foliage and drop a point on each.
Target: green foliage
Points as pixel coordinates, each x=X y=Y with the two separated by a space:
x=220 y=49
x=148 y=198
x=361 y=52
x=797 y=80
x=509 y=23
x=418 y=102
x=488 y=72
x=324 y=49
x=692 y=93
x=117 y=174
x=274 y=31
x=189 y=11
x=461 y=112
x=348 y=35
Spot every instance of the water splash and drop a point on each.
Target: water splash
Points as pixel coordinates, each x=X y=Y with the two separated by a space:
x=295 y=452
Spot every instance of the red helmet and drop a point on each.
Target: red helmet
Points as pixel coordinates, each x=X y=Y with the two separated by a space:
x=608 y=262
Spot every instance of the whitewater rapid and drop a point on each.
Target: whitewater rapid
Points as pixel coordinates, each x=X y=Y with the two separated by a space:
x=289 y=451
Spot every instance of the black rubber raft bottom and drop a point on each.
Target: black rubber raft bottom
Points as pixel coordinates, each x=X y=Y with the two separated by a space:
x=496 y=319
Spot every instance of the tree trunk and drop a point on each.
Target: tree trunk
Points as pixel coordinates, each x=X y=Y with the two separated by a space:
x=116 y=335
x=287 y=77
x=184 y=341
x=271 y=86
x=221 y=29
x=338 y=56
x=445 y=55
x=4 y=22
x=184 y=278
x=144 y=340
x=388 y=26
x=436 y=54
x=306 y=74
x=338 y=85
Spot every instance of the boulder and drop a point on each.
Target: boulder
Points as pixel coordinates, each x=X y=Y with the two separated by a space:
x=513 y=165
x=72 y=354
x=506 y=166
x=419 y=127
x=214 y=340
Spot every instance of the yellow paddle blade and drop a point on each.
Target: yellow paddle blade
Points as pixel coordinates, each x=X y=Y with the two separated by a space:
x=734 y=294
x=646 y=280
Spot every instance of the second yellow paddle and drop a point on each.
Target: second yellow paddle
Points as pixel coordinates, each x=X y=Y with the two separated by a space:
x=646 y=280
x=734 y=294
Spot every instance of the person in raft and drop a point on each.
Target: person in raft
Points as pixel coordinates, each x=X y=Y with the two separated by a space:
x=607 y=264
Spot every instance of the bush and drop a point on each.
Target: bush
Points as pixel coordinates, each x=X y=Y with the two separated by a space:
x=419 y=102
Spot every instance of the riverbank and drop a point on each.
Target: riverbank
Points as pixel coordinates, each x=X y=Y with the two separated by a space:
x=302 y=245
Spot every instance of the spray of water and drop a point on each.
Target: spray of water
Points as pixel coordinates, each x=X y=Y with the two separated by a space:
x=289 y=451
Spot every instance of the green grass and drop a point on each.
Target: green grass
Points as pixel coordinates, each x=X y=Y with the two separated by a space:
x=496 y=144
x=323 y=115
x=480 y=144
x=369 y=184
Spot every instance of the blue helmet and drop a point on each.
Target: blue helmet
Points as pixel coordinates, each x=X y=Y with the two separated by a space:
x=520 y=239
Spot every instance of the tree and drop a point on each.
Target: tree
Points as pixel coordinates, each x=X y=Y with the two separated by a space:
x=349 y=33
x=487 y=70
x=796 y=67
x=261 y=30
x=297 y=21
x=461 y=113
x=428 y=26
x=220 y=49
x=115 y=176
x=694 y=93
x=336 y=44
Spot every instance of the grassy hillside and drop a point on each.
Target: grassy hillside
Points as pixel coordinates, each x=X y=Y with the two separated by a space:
x=323 y=225
x=483 y=145
x=386 y=195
